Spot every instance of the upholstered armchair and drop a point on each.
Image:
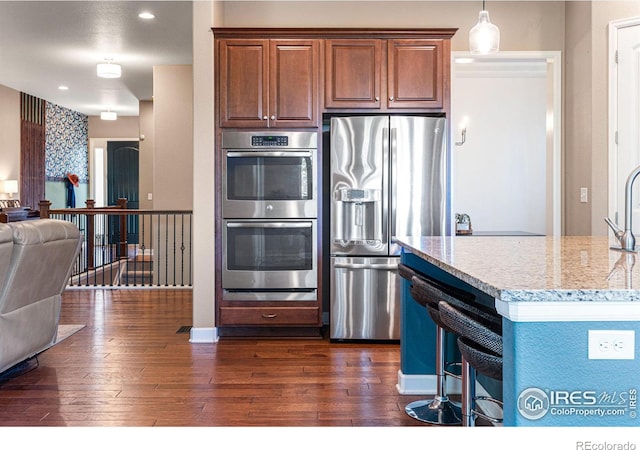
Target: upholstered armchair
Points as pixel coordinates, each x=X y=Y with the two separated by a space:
x=36 y=258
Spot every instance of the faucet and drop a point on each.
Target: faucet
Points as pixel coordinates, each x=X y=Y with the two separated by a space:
x=626 y=238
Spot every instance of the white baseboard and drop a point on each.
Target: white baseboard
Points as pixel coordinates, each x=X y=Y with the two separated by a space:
x=424 y=384
x=203 y=335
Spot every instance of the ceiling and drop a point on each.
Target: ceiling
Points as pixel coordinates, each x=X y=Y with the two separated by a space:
x=46 y=44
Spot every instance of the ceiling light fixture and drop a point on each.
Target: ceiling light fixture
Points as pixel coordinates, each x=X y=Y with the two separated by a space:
x=108 y=115
x=146 y=15
x=62 y=87
x=484 y=37
x=109 y=69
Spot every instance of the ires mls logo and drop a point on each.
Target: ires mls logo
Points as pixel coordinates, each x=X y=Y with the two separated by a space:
x=534 y=403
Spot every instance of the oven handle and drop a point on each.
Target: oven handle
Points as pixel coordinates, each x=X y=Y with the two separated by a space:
x=251 y=154
x=366 y=266
x=269 y=225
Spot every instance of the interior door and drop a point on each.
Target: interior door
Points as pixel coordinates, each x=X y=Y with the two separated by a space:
x=123 y=182
x=628 y=117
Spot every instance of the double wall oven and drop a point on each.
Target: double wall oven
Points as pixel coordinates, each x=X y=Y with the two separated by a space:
x=269 y=208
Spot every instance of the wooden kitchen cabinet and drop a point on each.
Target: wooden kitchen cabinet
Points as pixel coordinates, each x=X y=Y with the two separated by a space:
x=270 y=316
x=416 y=73
x=266 y=83
x=353 y=76
x=411 y=75
x=286 y=78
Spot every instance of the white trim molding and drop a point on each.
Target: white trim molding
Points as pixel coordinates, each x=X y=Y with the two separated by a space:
x=614 y=27
x=204 y=335
x=424 y=384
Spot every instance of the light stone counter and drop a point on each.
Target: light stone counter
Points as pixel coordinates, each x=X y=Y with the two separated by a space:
x=537 y=269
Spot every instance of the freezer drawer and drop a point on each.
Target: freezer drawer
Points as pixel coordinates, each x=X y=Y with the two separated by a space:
x=365 y=298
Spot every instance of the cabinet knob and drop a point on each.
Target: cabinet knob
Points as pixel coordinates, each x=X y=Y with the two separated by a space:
x=269 y=316
x=265 y=118
x=391 y=98
x=377 y=99
x=273 y=117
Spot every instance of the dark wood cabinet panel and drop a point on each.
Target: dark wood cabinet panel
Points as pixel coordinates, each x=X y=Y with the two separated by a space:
x=268 y=83
x=293 y=96
x=416 y=73
x=243 y=82
x=269 y=316
x=353 y=76
x=385 y=74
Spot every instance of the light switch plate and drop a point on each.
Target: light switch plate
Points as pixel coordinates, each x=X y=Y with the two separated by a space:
x=612 y=344
x=584 y=195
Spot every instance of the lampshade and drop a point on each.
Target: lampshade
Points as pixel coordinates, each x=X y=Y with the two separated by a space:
x=109 y=70
x=484 y=37
x=109 y=115
x=10 y=187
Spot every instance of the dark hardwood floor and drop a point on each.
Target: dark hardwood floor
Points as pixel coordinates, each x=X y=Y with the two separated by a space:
x=130 y=367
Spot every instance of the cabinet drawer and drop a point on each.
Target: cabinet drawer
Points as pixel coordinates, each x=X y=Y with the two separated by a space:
x=269 y=316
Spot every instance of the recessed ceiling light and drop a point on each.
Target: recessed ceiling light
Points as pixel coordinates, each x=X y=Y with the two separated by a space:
x=146 y=15
x=63 y=87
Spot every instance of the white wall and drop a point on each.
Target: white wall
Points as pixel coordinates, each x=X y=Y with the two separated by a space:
x=146 y=144
x=173 y=137
x=9 y=137
x=524 y=25
x=499 y=174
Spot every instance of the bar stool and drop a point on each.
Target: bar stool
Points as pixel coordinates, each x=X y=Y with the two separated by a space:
x=428 y=293
x=480 y=344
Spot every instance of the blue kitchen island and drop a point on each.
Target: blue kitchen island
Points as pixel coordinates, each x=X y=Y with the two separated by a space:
x=570 y=309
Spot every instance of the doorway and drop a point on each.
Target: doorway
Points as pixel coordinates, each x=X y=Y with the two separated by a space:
x=123 y=182
x=624 y=116
x=506 y=141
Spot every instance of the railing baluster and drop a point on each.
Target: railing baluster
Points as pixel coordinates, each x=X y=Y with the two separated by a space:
x=105 y=251
x=182 y=251
x=166 y=246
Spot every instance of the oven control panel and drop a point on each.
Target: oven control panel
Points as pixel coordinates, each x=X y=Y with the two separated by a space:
x=269 y=141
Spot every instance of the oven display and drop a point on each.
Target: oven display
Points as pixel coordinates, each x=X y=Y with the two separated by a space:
x=269 y=141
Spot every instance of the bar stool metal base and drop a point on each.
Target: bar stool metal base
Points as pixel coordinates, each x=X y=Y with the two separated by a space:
x=437 y=411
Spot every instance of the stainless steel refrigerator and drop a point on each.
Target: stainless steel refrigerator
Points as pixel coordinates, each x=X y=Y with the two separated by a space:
x=387 y=178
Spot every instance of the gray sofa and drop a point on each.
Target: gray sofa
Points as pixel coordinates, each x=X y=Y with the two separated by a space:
x=36 y=258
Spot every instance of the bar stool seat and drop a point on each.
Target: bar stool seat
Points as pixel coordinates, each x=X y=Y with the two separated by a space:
x=439 y=410
x=480 y=344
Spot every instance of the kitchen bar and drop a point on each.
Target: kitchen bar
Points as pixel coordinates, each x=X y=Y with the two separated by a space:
x=570 y=308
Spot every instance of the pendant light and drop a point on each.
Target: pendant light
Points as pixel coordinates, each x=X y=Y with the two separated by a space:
x=484 y=37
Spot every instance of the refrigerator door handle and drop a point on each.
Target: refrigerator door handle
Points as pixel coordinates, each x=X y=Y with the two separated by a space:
x=393 y=176
x=366 y=266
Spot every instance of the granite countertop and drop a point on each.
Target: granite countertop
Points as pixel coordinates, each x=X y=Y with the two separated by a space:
x=535 y=268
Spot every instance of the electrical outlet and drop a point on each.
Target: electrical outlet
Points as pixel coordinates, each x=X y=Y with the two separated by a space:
x=612 y=344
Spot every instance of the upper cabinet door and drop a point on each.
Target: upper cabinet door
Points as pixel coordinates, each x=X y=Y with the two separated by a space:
x=353 y=71
x=416 y=73
x=243 y=82
x=294 y=73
